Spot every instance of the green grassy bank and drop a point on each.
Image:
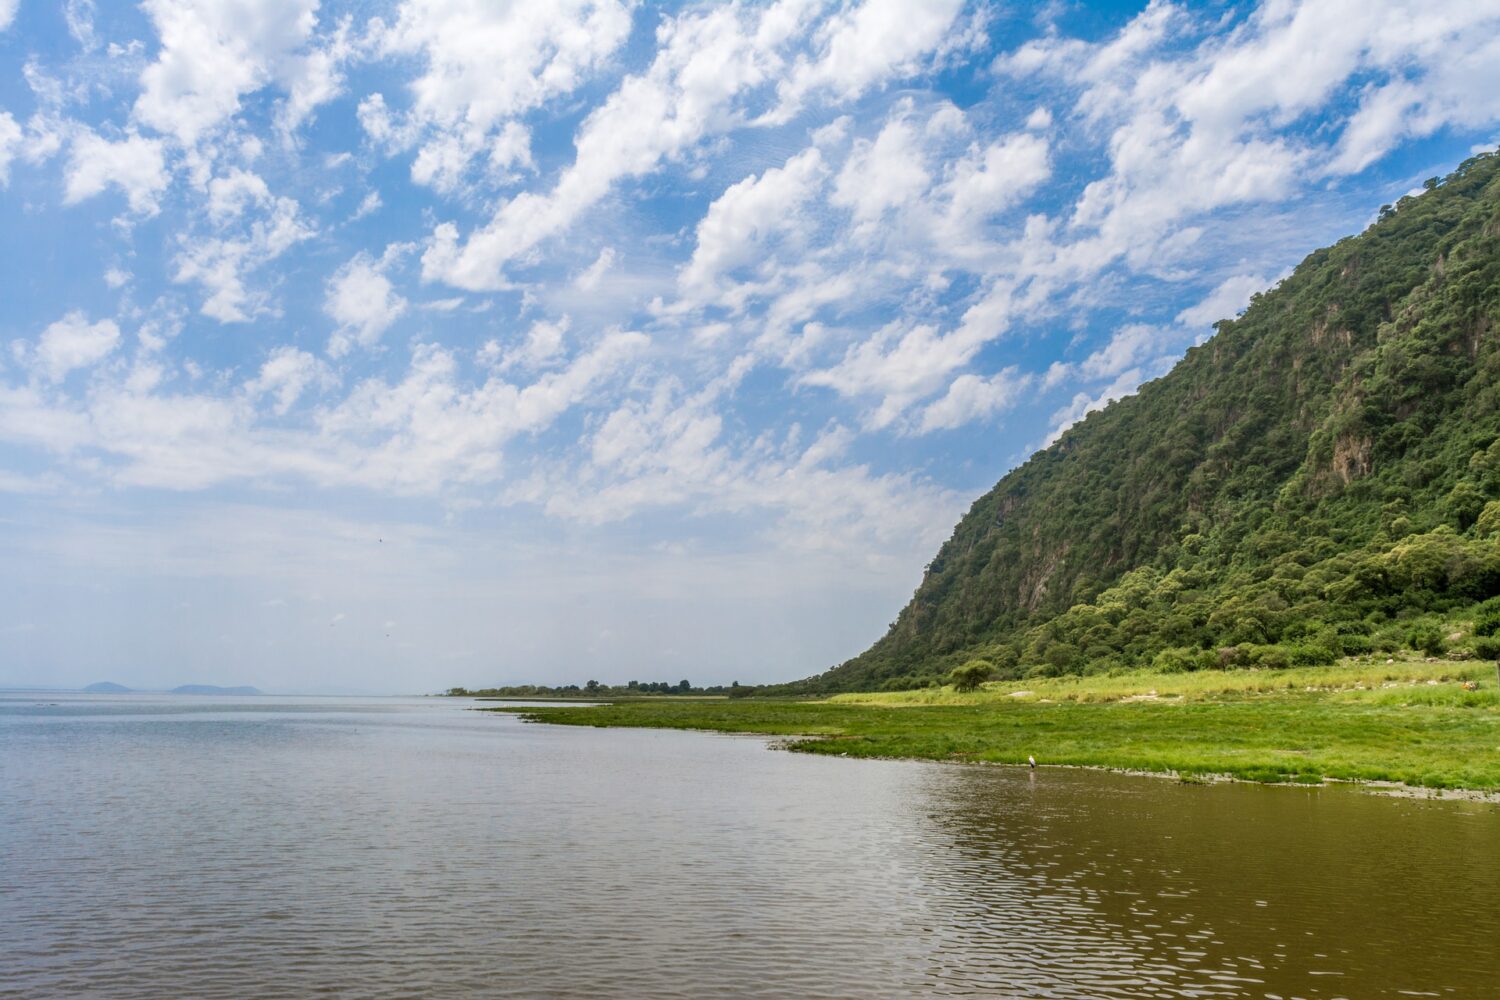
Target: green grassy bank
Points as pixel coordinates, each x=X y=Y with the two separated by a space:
x=1408 y=722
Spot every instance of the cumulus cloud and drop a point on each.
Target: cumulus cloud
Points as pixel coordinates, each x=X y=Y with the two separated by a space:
x=883 y=174
x=72 y=343
x=213 y=53
x=285 y=376
x=864 y=45
x=594 y=273
x=484 y=65
x=136 y=165
x=706 y=64
x=1226 y=301
x=10 y=144
x=705 y=61
x=364 y=303
x=897 y=366
x=221 y=264
x=829 y=251
x=973 y=397
x=740 y=225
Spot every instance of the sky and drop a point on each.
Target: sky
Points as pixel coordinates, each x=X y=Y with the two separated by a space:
x=391 y=345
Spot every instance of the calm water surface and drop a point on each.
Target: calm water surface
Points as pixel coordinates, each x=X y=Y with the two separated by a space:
x=190 y=847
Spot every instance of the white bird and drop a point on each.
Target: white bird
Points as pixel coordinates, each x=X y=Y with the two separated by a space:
x=1031 y=760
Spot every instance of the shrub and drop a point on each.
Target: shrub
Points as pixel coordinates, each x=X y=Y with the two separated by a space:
x=1487 y=623
x=1175 y=661
x=1356 y=645
x=972 y=674
x=1311 y=655
x=1270 y=657
x=1487 y=648
x=1390 y=639
x=1226 y=657
x=1426 y=638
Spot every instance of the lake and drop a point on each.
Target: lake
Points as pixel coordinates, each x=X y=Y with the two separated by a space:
x=155 y=846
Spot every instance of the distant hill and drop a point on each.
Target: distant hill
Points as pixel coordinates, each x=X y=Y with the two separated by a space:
x=1320 y=478
x=211 y=689
x=107 y=687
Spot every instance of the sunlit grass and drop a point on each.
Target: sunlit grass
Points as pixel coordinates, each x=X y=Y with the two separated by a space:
x=1206 y=685
x=1410 y=721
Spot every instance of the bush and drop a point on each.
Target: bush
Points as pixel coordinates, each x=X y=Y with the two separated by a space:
x=1487 y=648
x=1175 y=661
x=1356 y=645
x=1311 y=655
x=1226 y=657
x=972 y=674
x=1427 y=639
x=1487 y=623
x=1270 y=657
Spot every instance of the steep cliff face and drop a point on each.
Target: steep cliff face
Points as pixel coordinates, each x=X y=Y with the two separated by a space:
x=1360 y=391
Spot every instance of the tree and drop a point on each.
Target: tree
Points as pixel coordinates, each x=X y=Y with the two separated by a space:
x=972 y=674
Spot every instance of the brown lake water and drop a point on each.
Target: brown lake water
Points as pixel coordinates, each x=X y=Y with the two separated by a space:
x=158 y=846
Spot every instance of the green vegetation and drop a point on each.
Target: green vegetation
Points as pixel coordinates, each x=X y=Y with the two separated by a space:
x=1418 y=723
x=1320 y=479
x=1280 y=561
x=593 y=690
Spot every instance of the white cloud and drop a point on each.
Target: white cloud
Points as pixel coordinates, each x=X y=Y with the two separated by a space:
x=740 y=224
x=1226 y=301
x=884 y=174
x=369 y=205
x=1083 y=404
x=79 y=16
x=313 y=78
x=214 y=52
x=1128 y=346
x=72 y=343
x=8 y=12
x=10 y=144
x=427 y=433
x=988 y=181
x=135 y=165
x=221 y=264
x=973 y=397
x=485 y=64
x=231 y=194
x=594 y=273
x=1198 y=128
x=362 y=300
x=705 y=60
x=898 y=365
x=864 y=45
x=286 y=375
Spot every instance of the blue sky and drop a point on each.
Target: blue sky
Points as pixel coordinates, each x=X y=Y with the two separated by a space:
x=394 y=344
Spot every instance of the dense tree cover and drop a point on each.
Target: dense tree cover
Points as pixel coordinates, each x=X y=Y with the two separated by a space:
x=1320 y=478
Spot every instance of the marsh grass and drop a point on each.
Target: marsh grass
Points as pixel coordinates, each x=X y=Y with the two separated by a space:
x=1407 y=722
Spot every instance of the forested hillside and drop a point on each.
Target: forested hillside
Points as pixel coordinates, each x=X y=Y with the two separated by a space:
x=1321 y=478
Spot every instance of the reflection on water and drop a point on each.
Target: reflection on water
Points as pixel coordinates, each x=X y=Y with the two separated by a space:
x=180 y=846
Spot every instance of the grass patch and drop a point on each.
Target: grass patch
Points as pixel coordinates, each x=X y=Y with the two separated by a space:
x=1409 y=722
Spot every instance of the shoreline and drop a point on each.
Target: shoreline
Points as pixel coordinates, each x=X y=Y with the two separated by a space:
x=801 y=743
x=1411 y=729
